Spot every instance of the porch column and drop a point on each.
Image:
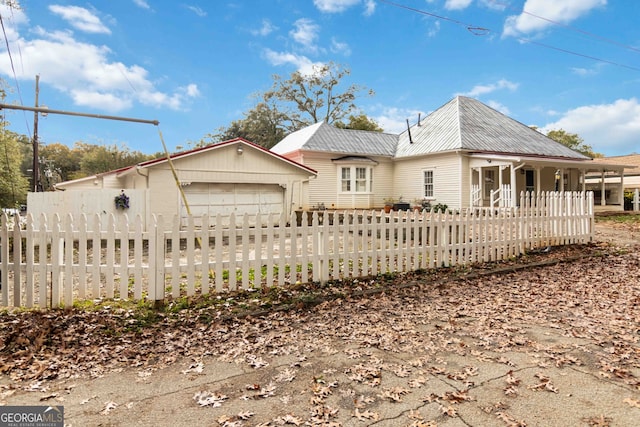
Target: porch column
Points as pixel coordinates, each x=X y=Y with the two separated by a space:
x=621 y=193
x=481 y=183
x=538 y=170
x=500 y=170
x=514 y=192
x=583 y=177
x=561 y=186
x=603 y=201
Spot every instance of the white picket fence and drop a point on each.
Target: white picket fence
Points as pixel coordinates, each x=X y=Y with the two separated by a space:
x=71 y=259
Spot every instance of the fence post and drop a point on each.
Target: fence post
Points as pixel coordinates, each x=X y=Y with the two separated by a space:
x=156 y=260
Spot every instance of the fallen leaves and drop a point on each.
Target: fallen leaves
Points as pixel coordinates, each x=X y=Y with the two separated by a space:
x=394 y=347
x=207 y=398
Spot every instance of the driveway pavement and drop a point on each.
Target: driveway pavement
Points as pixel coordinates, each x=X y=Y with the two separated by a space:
x=555 y=345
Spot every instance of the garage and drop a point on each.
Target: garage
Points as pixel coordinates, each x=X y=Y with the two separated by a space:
x=223 y=198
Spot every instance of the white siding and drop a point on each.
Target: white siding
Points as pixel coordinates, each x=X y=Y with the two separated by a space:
x=325 y=188
x=446 y=176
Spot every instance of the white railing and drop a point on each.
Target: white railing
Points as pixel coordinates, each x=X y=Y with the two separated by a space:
x=476 y=195
x=501 y=197
x=70 y=259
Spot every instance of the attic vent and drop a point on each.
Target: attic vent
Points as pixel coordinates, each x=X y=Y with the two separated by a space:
x=418 y=119
x=409 y=131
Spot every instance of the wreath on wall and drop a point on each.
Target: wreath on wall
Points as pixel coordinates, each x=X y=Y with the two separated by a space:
x=122 y=201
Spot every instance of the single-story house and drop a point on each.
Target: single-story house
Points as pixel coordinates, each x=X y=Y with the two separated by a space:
x=235 y=176
x=463 y=154
x=609 y=180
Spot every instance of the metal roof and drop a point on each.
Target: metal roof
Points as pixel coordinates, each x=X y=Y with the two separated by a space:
x=461 y=124
x=468 y=124
x=324 y=137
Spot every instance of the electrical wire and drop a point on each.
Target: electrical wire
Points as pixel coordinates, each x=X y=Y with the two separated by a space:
x=13 y=69
x=481 y=31
x=569 y=27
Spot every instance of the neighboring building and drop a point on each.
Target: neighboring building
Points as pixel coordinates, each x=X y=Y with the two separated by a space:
x=630 y=179
x=463 y=154
x=235 y=176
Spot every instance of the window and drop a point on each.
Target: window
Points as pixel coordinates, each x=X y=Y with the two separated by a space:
x=428 y=184
x=356 y=179
x=361 y=180
x=346 y=179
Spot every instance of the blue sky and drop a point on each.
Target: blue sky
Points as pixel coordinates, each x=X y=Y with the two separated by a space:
x=193 y=65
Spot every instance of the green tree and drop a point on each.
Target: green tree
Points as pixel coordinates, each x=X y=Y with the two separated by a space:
x=573 y=141
x=264 y=125
x=14 y=185
x=311 y=98
x=96 y=159
x=61 y=159
x=360 y=122
x=292 y=104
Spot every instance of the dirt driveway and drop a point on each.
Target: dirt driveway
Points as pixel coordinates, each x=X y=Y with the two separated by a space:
x=555 y=344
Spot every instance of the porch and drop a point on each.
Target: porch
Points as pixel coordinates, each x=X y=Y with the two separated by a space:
x=497 y=180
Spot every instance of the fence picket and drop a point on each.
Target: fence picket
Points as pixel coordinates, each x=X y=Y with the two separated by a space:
x=72 y=259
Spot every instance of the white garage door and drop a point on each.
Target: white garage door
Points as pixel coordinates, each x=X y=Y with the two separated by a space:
x=214 y=199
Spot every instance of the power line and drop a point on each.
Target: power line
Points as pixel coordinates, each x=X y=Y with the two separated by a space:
x=481 y=31
x=572 y=28
x=15 y=76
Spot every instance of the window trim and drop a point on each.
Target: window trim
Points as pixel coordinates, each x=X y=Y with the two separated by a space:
x=433 y=184
x=353 y=179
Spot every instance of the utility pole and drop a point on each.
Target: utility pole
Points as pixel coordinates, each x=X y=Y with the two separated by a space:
x=36 y=160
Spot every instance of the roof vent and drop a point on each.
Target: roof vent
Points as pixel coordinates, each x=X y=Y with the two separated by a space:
x=409 y=131
x=418 y=119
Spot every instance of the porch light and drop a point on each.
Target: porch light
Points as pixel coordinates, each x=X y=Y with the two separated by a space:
x=239 y=150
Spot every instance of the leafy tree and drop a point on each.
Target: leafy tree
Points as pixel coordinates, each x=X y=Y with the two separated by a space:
x=360 y=122
x=61 y=159
x=292 y=104
x=573 y=141
x=314 y=97
x=13 y=183
x=96 y=159
x=264 y=125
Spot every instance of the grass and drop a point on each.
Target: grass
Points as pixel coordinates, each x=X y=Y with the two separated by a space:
x=619 y=217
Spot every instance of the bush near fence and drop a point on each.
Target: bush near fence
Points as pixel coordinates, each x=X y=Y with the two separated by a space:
x=78 y=258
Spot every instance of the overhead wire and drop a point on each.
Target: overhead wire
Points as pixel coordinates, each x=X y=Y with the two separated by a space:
x=13 y=70
x=570 y=27
x=481 y=31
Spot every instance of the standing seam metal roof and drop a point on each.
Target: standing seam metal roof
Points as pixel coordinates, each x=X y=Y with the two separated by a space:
x=460 y=124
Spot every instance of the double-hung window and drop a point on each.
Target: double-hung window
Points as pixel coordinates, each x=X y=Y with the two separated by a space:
x=428 y=184
x=356 y=179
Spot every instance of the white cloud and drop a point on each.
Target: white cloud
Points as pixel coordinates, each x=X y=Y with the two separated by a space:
x=558 y=11
x=266 y=28
x=84 y=72
x=302 y=63
x=337 y=6
x=434 y=30
x=12 y=19
x=142 y=3
x=369 y=7
x=499 y=107
x=394 y=120
x=339 y=47
x=305 y=33
x=613 y=129
x=457 y=4
x=489 y=88
x=80 y=18
x=197 y=10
